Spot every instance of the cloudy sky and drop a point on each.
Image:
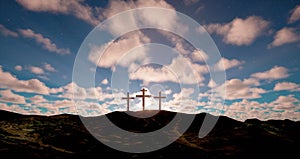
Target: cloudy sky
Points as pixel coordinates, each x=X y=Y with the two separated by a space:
x=258 y=42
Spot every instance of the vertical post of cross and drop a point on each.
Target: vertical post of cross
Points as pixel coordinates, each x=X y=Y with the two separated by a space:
x=159 y=100
x=128 y=98
x=143 y=97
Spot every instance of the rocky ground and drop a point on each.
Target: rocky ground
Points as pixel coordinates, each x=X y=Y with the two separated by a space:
x=64 y=136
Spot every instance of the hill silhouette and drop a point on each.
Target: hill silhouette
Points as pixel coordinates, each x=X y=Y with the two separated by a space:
x=64 y=136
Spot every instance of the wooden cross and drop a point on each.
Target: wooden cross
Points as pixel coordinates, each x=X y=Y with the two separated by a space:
x=143 y=97
x=127 y=98
x=159 y=99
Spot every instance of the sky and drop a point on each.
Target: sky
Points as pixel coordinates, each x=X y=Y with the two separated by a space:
x=246 y=65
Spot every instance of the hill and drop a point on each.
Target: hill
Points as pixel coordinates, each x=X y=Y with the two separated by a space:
x=64 y=136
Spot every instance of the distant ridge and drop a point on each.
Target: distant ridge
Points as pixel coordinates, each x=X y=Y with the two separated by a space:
x=64 y=136
x=6 y=113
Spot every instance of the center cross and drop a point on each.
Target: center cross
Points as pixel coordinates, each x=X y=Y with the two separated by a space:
x=143 y=97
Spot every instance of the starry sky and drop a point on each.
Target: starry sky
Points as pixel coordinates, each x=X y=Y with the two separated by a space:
x=49 y=49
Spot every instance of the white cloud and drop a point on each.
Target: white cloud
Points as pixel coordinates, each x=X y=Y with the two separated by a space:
x=202 y=95
x=291 y=114
x=39 y=38
x=181 y=70
x=186 y=70
x=184 y=94
x=167 y=92
x=9 y=81
x=285 y=102
x=71 y=7
x=277 y=72
x=105 y=81
x=295 y=16
x=98 y=93
x=73 y=91
x=246 y=109
x=48 y=67
x=92 y=109
x=56 y=90
x=199 y=56
x=18 y=68
x=93 y=15
x=9 y=96
x=15 y=108
x=184 y=48
x=45 y=42
x=285 y=99
x=251 y=81
x=150 y=74
x=211 y=83
x=53 y=107
x=6 y=32
x=36 y=70
x=245 y=105
x=240 y=31
x=237 y=89
x=225 y=64
x=181 y=47
x=183 y=101
x=117 y=49
x=117 y=25
x=286 y=86
x=284 y=36
x=37 y=99
x=64 y=103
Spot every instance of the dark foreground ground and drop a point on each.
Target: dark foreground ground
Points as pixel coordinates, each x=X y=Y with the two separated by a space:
x=64 y=136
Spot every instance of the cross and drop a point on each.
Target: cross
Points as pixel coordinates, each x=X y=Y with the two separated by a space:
x=159 y=99
x=127 y=98
x=143 y=97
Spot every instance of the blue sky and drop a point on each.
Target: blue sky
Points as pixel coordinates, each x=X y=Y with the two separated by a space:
x=258 y=42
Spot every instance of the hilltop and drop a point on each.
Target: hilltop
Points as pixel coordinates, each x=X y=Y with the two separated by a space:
x=64 y=136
